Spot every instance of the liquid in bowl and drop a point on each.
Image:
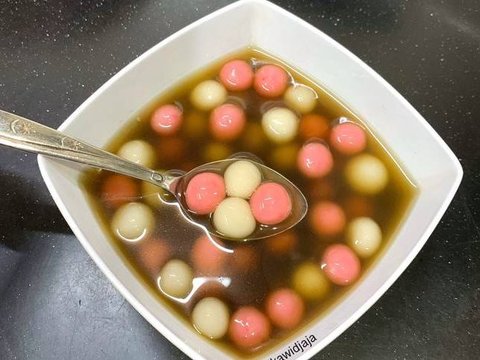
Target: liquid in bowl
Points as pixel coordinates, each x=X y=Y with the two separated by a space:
x=246 y=274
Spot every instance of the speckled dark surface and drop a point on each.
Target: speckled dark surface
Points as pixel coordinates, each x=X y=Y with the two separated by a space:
x=56 y=304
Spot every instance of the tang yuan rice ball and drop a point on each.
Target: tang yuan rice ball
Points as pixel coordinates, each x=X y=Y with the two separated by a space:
x=176 y=278
x=118 y=190
x=211 y=317
x=133 y=221
x=327 y=218
x=236 y=75
x=270 y=81
x=348 y=138
x=172 y=150
x=364 y=236
x=309 y=281
x=321 y=189
x=282 y=244
x=227 y=122
x=280 y=124
x=166 y=120
x=285 y=308
x=340 y=264
x=366 y=174
x=153 y=254
x=314 y=160
x=139 y=152
x=242 y=178
x=215 y=151
x=313 y=126
x=207 y=255
x=208 y=95
x=204 y=192
x=284 y=157
x=357 y=205
x=301 y=98
x=271 y=203
x=245 y=258
x=233 y=218
x=249 y=327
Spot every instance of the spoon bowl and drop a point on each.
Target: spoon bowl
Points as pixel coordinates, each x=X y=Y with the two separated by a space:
x=24 y=134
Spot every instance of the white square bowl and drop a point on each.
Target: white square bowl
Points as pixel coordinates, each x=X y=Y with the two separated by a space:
x=414 y=144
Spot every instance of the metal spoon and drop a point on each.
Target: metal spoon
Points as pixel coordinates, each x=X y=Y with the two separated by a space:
x=24 y=134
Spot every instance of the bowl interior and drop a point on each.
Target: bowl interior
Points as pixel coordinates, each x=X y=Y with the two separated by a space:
x=412 y=142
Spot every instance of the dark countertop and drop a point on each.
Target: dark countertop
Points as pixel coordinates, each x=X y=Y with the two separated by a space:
x=56 y=304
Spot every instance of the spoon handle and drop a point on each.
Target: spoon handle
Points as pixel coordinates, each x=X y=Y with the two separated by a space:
x=24 y=134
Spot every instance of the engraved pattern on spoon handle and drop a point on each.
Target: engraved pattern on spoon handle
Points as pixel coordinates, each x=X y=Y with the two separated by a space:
x=21 y=133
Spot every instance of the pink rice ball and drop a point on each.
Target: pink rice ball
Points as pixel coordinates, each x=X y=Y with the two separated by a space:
x=236 y=75
x=314 y=160
x=249 y=327
x=270 y=81
x=204 y=192
x=207 y=256
x=285 y=308
x=341 y=264
x=327 y=218
x=166 y=120
x=348 y=138
x=270 y=203
x=227 y=122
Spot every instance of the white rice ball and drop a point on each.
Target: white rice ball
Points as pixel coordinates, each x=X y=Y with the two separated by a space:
x=133 y=222
x=139 y=152
x=366 y=174
x=242 y=178
x=233 y=218
x=208 y=95
x=280 y=124
x=211 y=317
x=364 y=236
x=301 y=98
x=310 y=282
x=176 y=278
